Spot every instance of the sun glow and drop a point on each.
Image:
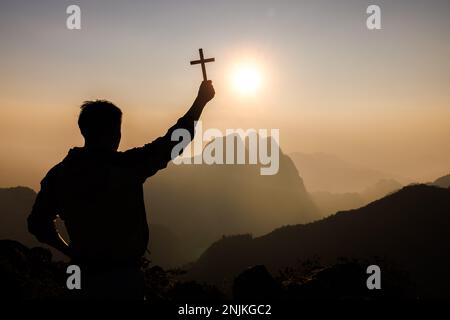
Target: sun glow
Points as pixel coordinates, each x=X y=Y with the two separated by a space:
x=246 y=79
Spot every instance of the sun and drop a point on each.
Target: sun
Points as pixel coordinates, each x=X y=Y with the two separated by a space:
x=246 y=79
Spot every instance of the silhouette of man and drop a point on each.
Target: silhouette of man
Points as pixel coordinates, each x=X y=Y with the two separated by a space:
x=98 y=192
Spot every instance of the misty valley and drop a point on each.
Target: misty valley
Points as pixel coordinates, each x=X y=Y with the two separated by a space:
x=276 y=223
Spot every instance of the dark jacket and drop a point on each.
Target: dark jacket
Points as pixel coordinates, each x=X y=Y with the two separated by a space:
x=99 y=195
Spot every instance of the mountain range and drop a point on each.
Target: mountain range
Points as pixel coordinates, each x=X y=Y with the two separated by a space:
x=16 y=204
x=329 y=173
x=408 y=228
x=384 y=227
x=443 y=182
x=191 y=206
x=200 y=203
x=329 y=203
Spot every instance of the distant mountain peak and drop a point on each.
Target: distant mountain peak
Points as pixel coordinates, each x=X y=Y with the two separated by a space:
x=443 y=182
x=327 y=172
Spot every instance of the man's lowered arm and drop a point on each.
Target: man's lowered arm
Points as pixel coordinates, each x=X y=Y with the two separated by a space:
x=41 y=221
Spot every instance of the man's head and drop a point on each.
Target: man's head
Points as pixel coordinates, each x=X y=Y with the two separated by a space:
x=100 y=122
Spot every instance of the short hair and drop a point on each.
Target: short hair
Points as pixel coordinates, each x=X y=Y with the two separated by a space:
x=98 y=116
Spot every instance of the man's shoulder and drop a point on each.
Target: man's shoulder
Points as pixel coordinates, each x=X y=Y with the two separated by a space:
x=55 y=172
x=52 y=174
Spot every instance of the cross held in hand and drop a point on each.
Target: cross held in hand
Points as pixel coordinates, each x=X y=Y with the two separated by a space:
x=202 y=61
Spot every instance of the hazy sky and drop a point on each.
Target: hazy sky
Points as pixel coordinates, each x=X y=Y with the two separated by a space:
x=378 y=98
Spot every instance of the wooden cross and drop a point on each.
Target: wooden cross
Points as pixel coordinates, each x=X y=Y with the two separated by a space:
x=202 y=61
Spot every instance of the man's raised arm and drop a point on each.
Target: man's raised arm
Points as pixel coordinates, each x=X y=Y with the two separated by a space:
x=157 y=154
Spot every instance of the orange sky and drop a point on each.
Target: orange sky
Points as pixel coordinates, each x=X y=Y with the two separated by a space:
x=377 y=98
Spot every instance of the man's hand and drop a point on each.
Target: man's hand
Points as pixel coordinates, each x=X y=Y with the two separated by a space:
x=206 y=92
